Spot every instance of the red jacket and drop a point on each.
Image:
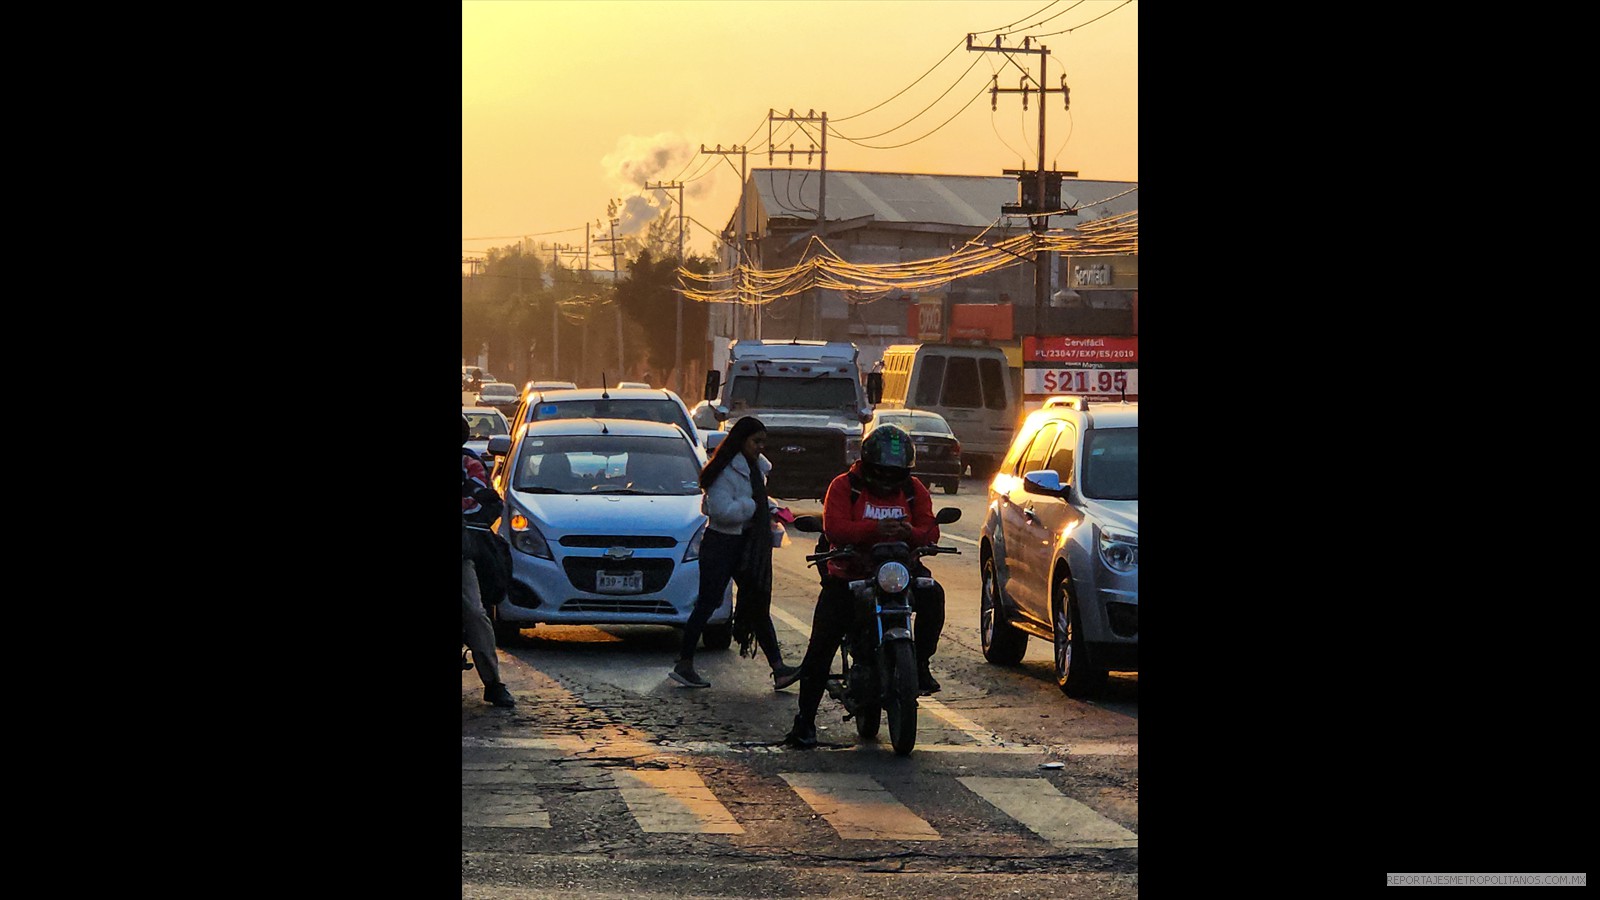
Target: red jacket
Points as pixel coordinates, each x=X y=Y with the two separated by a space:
x=847 y=522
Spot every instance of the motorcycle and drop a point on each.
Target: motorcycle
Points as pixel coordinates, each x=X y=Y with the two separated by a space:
x=878 y=656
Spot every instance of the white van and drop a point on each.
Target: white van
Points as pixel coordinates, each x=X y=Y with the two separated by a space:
x=970 y=386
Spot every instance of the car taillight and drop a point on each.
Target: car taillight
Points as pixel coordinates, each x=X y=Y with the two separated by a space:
x=958 y=448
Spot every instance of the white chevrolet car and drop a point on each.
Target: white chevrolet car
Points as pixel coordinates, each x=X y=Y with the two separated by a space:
x=603 y=517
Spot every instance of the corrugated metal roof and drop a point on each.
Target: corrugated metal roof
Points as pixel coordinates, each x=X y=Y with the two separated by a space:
x=968 y=200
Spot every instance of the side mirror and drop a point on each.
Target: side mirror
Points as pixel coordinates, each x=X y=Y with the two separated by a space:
x=1043 y=481
x=947 y=515
x=811 y=524
x=499 y=445
x=713 y=438
x=705 y=418
x=713 y=384
x=874 y=387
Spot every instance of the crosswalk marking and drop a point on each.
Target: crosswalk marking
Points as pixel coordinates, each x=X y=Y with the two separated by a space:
x=1050 y=814
x=502 y=809
x=673 y=800
x=858 y=807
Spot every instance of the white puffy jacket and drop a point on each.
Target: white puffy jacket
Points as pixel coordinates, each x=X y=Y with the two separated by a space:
x=730 y=500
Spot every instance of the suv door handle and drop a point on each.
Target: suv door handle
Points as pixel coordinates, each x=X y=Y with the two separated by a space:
x=1028 y=511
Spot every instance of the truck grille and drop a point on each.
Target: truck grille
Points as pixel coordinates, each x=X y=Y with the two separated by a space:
x=804 y=460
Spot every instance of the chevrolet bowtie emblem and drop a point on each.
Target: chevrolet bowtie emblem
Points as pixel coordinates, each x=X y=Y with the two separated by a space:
x=619 y=553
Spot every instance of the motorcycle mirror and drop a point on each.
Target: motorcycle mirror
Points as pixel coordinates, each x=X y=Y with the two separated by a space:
x=947 y=515
x=811 y=524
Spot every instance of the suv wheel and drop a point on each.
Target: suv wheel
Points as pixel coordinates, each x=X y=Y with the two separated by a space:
x=1002 y=644
x=1076 y=674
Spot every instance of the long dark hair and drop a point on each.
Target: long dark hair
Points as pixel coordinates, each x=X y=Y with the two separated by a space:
x=731 y=446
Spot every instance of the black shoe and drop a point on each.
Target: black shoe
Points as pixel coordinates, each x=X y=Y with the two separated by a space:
x=804 y=732
x=465 y=663
x=926 y=683
x=684 y=674
x=498 y=695
x=783 y=676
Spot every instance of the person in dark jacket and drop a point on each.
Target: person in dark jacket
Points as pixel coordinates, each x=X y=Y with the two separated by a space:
x=478 y=500
x=877 y=499
x=737 y=545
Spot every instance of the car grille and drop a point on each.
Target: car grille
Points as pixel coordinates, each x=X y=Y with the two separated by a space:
x=620 y=605
x=618 y=540
x=581 y=571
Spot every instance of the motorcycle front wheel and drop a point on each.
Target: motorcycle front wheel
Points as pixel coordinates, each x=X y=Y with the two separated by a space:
x=863 y=691
x=900 y=701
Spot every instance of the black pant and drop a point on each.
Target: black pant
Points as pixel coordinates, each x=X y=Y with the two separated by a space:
x=719 y=559
x=835 y=616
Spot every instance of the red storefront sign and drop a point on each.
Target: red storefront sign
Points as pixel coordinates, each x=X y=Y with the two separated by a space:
x=1102 y=366
x=968 y=321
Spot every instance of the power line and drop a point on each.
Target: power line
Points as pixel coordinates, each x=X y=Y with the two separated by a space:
x=907 y=87
x=1081 y=24
x=1056 y=16
x=1023 y=19
x=975 y=61
x=914 y=140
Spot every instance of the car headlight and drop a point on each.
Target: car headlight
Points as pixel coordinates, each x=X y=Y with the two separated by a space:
x=527 y=538
x=694 y=543
x=893 y=578
x=1119 y=550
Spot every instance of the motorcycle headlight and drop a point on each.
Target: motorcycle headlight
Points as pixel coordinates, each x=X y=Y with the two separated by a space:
x=527 y=538
x=1119 y=550
x=694 y=543
x=893 y=578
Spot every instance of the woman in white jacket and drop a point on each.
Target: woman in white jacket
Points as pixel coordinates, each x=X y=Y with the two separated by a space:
x=737 y=545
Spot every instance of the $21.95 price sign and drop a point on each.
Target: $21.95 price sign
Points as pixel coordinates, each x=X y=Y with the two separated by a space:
x=1107 y=382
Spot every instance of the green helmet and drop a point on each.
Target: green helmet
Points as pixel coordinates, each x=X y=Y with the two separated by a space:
x=887 y=456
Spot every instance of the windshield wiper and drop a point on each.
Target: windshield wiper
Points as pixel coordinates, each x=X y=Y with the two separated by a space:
x=539 y=489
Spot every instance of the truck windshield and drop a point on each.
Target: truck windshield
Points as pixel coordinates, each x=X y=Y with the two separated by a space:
x=769 y=392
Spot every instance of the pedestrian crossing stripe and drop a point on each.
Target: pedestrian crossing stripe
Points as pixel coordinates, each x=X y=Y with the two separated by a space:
x=1050 y=814
x=673 y=801
x=858 y=807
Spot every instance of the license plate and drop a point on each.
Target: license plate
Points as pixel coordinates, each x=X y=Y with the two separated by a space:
x=619 y=582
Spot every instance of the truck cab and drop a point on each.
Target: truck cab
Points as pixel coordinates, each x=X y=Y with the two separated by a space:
x=811 y=396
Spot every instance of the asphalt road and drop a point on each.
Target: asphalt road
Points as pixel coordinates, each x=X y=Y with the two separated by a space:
x=610 y=780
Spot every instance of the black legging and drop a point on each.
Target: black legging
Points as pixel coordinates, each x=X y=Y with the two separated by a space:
x=833 y=618
x=719 y=557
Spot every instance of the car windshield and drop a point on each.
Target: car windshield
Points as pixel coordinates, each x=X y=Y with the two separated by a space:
x=655 y=409
x=772 y=392
x=917 y=424
x=609 y=464
x=485 y=426
x=1111 y=464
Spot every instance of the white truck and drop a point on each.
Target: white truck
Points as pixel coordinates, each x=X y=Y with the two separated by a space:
x=813 y=400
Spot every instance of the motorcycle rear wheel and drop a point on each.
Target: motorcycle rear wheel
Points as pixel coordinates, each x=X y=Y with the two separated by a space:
x=900 y=702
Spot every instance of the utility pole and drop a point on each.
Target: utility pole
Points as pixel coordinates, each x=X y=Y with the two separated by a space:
x=677 y=349
x=822 y=190
x=738 y=241
x=611 y=214
x=1038 y=222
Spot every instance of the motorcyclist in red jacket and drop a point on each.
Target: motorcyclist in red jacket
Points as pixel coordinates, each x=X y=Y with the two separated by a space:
x=877 y=499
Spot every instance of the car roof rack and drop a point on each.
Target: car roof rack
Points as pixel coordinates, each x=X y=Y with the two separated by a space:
x=1076 y=401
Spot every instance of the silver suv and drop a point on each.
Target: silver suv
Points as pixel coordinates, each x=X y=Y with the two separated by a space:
x=1060 y=543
